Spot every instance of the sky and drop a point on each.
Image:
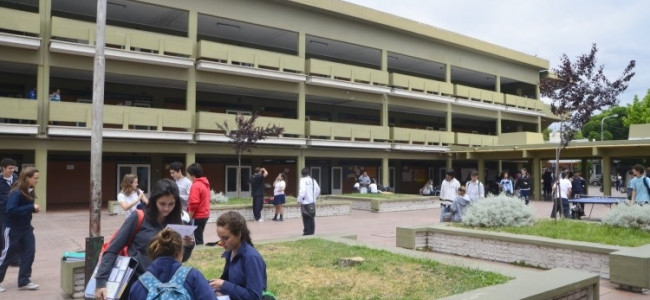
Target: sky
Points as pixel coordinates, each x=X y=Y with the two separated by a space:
x=546 y=28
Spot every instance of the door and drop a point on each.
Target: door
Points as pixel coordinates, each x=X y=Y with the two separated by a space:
x=315 y=174
x=231 y=181
x=142 y=171
x=337 y=180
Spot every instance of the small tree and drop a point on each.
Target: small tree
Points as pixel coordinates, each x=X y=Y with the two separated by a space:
x=638 y=112
x=580 y=89
x=245 y=136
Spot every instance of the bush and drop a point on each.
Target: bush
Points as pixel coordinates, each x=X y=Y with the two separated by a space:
x=500 y=210
x=629 y=216
x=217 y=197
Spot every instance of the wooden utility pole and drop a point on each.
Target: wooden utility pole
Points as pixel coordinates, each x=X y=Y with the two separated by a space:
x=94 y=241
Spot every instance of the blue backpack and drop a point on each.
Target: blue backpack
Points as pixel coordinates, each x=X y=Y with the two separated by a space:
x=174 y=289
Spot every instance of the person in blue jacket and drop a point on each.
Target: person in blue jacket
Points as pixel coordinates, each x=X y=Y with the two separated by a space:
x=244 y=276
x=166 y=253
x=9 y=179
x=18 y=232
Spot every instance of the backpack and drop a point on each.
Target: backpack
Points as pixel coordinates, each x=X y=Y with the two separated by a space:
x=123 y=251
x=174 y=289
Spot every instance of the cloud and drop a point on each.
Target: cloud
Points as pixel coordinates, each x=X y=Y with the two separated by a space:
x=545 y=28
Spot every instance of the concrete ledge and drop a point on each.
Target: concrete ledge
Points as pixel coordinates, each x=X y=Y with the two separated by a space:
x=533 y=251
x=114 y=208
x=554 y=284
x=631 y=268
x=388 y=205
x=72 y=278
x=291 y=210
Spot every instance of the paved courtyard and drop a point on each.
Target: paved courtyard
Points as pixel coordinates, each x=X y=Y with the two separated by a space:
x=57 y=232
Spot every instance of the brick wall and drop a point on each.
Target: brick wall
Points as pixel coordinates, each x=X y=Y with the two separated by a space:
x=390 y=206
x=580 y=294
x=290 y=211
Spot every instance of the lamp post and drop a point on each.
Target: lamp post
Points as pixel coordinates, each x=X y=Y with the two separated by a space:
x=602 y=122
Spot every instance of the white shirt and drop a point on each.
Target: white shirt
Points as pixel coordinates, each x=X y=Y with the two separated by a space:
x=278 y=187
x=449 y=189
x=308 y=191
x=475 y=190
x=184 y=184
x=121 y=198
x=565 y=187
x=373 y=188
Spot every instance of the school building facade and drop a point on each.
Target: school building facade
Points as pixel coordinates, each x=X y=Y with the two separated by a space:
x=355 y=90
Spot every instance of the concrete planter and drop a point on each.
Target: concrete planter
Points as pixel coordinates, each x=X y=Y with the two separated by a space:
x=291 y=210
x=413 y=202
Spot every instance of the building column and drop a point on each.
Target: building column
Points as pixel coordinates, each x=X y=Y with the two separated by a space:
x=302 y=44
x=449 y=162
x=498 y=123
x=539 y=124
x=537 y=92
x=586 y=174
x=385 y=172
x=537 y=178
x=500 y=166
x=607 y=171
x=448 y=122
x=480 y=166
x=448 y=73
x=40 y=163
x=301 y=107
x=384 y=110
x=43 y=72
x=300 y=164
x=497 y=84
x=190 y=92
x=190 y=158
x=384 y=60
x=520 y=128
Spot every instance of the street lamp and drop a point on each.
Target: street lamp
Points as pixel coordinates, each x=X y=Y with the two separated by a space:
x=602 y=122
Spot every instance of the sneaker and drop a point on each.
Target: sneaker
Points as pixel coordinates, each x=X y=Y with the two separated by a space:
x=2 y=289
x=30 y=286
x=260 y=220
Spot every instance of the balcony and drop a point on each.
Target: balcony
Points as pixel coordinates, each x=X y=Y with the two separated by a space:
x=15 y=115
x=520 y=138
x=207 y=121
x=78 y=37
x=25 y=28
x=135 y=122
x=481 y=95
x=356 y=77
x=347 y=135
x=525 y=103
x=471 y=139
x=422 y=85
x=420 y=139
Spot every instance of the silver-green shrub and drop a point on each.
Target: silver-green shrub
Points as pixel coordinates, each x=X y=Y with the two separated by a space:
x=500 y=210
x=217 y=197
x=629 y=216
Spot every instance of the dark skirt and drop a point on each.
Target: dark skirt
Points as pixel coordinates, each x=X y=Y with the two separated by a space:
x=278 y=199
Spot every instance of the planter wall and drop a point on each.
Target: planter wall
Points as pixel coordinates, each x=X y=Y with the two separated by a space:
x=291 y=210
x=388 y=205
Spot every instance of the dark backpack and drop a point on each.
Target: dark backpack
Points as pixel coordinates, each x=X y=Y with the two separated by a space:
x=174 y=289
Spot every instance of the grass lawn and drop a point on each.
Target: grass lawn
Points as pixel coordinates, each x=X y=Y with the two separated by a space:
x=308 y=269
x=582 y=231
x=381 y=196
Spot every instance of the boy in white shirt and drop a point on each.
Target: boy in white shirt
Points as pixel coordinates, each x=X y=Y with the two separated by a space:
x=448 y=192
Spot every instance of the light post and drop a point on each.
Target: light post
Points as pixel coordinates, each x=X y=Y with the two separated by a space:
x=602 y=122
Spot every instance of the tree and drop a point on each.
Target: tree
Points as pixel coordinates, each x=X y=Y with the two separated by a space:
x=546 y=133
x=245 y=136
x=638 y=112
x=614 y=128
x=580 y=89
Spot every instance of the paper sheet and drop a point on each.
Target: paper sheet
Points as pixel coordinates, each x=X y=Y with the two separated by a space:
x=184 y=230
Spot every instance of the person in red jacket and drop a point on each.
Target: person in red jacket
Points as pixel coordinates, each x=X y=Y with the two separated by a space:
x=198 y=203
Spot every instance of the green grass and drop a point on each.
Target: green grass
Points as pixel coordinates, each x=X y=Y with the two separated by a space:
x=381 y=196
x=247 y=201
x=308 y=269
x=582 y=231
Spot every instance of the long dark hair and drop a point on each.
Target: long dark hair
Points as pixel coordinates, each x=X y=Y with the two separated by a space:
x=236 y=223
x=164 y=187
x=22 y=184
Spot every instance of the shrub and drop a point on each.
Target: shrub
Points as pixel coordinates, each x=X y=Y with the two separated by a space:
x=500 y=210
x=629 y=216
x=217 y=197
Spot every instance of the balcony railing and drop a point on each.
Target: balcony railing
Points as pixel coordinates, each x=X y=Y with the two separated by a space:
x=525 y=103
x=208 y=121
x=19 y=109
x=478 y=94
x=250 y=57
x=421 y=136
x=346 y=131
x=20 y=21
x=123 y=38
x=125 y=116
x=471 y=139
x=346 y=72
x=417 y=84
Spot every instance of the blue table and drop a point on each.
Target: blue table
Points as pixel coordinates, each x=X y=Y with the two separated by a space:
x=598 y=200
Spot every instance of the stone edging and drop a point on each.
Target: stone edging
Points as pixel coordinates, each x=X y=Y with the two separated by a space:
x=388 y=205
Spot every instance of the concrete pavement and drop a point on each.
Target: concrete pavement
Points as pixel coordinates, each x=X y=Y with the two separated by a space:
x=57 y=232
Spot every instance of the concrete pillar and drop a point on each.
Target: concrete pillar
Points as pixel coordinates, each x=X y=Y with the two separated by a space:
x=43 y=71
x=384 y=110
x=497 y=84
x=448 y=73
x=480 y=167
x=40 y=163
x=586 y=174
x=500 y=166
x=301 y=107
x=537 y=92
x=384 y=60
x=520 y=128
x=385 y=172
x=498 y=122
x=539 y=124
x=156 y=166
x=190 y=158
x=302 y=44
x=449 y=162
x=300 y=164
x=448 y=122
x=190 y=92
x=607 y=171
x=537 y=178
x=519 y=167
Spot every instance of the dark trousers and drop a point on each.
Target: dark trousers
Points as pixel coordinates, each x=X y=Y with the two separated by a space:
x=563 y=206
x=308 y=224
x=12 y=260
x=258 y=202
x=198 y=232
x=23 y=240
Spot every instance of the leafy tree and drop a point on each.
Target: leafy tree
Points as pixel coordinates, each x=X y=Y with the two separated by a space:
x=580 y=89
x=614 y=128
x=639 y=111
x=546 y=133
x=245 y=136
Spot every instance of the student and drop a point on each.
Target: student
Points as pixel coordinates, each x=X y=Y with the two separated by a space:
x=640 y=185
x=163 y=208
x=448 y=192
x=373 y=187
x=474 y=187
x=428 y=189
x=460 y=204
x=364 y=182
x=183 y=183
x=19 y=233
x=257 y=190
x=523 y=185
x=562 y=191
x=130 y=195
x=9 y=179
x=166 y=253
x=308 y=192
x=56 y=95
x=279 y=199
x=506 y=184
x=244 y=275
x=198 y=203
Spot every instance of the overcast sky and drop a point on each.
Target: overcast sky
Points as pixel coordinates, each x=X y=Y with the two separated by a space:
x=546 y=28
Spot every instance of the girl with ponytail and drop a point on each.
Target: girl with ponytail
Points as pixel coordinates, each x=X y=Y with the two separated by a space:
x=244 y=276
